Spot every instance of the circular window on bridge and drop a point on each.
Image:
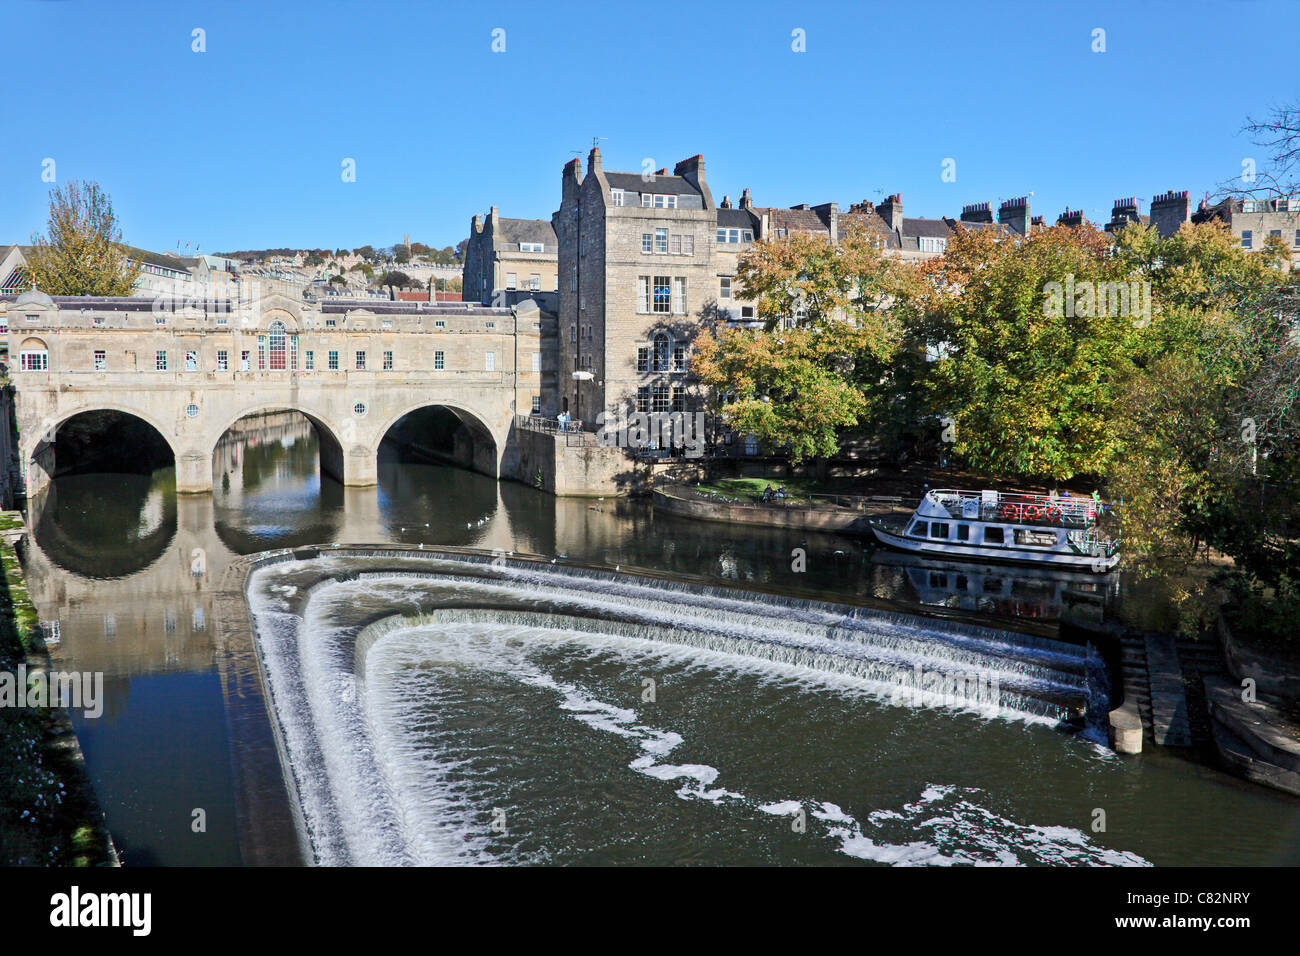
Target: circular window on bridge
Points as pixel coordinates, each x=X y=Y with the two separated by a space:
x=359 y=409
x=192 y=411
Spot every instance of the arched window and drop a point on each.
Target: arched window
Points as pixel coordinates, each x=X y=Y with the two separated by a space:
x=34 y=356
x=277 y=346
x=661 y=352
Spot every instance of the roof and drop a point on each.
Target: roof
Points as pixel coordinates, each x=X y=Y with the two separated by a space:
x=926 y=228
x=871 y=222
x=798 y=220
x=156 y=258
x=388 y=307
x=526 y=230
x=667 y=185
x=737 y=219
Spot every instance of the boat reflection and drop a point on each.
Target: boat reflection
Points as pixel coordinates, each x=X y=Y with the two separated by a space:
x=1005 y=590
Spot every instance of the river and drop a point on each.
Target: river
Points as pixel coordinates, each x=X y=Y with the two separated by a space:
x=516 y=736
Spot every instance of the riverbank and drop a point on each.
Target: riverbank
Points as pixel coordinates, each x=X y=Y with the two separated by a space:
x=48 y=812
x=842 y=514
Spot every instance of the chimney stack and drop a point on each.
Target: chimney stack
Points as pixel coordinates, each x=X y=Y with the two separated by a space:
x=891 y=210
x=745 y=201
x=829 y=213
x=1071 y=217
x=1015 y=215
x=1169 y=211
x=977 y=212
x=692 y=170
x=1122 y=213
x=726 y=202
x=593 y=160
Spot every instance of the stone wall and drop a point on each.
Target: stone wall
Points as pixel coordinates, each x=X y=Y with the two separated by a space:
x=547 y=461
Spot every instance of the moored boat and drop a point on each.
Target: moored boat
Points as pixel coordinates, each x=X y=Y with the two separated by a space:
x=1006 y=527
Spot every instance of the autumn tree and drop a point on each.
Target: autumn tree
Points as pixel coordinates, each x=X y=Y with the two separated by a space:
x=805 y=279
x=1027 y=341
x=82 y=252
x=822 y=363
x=792 y=389
x=1210 y=426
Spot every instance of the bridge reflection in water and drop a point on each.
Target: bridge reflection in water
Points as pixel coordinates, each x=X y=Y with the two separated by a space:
x=138 y=580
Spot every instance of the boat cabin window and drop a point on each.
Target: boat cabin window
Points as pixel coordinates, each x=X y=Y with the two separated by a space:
x=963 y=532
x=994 y=536
x=920 y=528
x=1035 y=539
x=939 y=529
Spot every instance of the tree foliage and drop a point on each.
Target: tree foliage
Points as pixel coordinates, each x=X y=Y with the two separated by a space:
x=1025 y=355
x=82 y=251
x=822 y=363
x=793 y=389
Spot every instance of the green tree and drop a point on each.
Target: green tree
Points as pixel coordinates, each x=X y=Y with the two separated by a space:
x=793 y=389
x=807 y=280
x=1027 y=348
x=82 y=251
x=1216 y=406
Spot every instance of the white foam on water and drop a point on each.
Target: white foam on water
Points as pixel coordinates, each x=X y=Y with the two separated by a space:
x=372 y=793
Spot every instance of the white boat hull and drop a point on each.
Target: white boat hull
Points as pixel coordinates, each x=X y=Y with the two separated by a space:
x=1006 y=553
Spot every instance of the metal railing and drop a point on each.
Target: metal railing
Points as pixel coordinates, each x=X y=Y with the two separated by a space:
x=1019 y=508
x=539 y=423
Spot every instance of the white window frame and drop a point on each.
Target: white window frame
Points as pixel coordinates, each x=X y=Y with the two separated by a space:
x=489 y=361
x=34 y=360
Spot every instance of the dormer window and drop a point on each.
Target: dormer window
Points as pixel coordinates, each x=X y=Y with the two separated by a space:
x=616 y=197
x=933 y=244
x=531 y=247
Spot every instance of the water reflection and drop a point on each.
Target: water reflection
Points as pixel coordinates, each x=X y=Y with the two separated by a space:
x=107 y=526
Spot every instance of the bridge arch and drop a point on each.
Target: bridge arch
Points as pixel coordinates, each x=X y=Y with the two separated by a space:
x=331 y=448
x=448 y=431
x=39 y=445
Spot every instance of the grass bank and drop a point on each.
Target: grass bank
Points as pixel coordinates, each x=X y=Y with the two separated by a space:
x=48 y=813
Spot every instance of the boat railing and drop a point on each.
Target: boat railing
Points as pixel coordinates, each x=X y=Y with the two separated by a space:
x=1020 y=508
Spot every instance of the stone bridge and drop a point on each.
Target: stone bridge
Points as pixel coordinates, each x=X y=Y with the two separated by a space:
x=193 y=369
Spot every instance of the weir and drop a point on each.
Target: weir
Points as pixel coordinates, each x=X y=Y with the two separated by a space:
x=321 y=617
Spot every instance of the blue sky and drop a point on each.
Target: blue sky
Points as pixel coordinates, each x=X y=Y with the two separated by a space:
x=242 y=146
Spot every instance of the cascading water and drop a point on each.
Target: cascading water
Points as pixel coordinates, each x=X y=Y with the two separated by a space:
x=454 y=708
